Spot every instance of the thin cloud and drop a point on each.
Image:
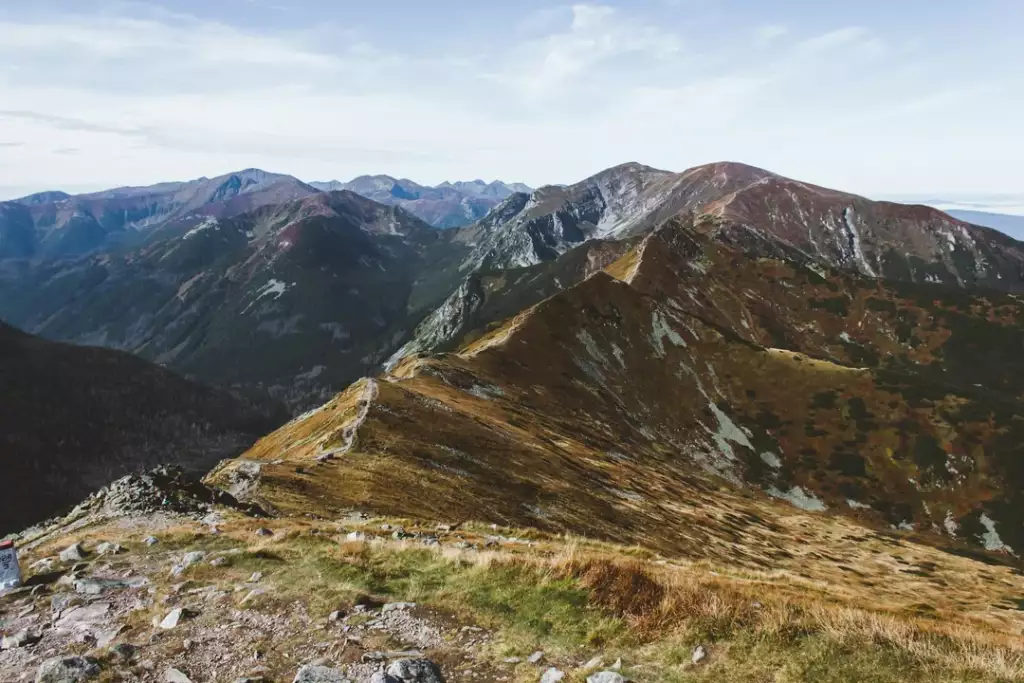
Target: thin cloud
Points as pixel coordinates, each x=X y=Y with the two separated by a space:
x=70 y=123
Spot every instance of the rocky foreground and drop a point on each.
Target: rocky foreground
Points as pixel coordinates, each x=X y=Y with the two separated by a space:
x=160 y=578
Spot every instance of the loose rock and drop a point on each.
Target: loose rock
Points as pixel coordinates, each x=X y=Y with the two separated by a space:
x=174 y=617
x=415 y=671
x=395 y=606
x=192 y=558
x=264 y=531
x=535 y=657
x=175 y=676
x=67 y=670
x=22 y=639
x=73 y=553
x=107 y=548
x=552 y=675
x=699 y=653
x=312 y=673
x=151 y=540
x=606 y=677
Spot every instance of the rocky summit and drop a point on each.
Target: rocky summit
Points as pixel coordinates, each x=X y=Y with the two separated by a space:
x=716 y=425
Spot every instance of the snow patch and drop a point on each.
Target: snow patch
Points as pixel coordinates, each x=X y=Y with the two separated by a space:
x=274 y=288
x=857 y=506
x=991 y=537
x=850 y=218
x=486 y=391
x=772 y=460
x=660 y=329
x=727 y=431
x=950 y=525
x=208 y=224
x=798 y=497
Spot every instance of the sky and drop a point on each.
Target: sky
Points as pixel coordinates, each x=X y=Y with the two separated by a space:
x=883 y=98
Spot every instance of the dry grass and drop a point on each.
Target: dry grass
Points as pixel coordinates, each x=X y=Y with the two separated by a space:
x=657 y=601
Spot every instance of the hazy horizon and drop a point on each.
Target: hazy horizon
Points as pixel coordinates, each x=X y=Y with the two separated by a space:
x=865 y=98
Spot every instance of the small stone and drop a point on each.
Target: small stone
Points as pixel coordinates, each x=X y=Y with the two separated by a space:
x=606 y=677
x=252 y=595
x=124 y=651
x=107 y=548
x=86 y=639
x=699 y=653
x=552 y=675
x=535 y=657
x=253 y=678
x=67 y=670
x=151 y=540
x=397 y=606
x=190 y=559
x=43 y=565
x=355 y=536
x=617 y=666
x=513 y=660
x=172 y=675
x=415 y=671
x=313 y=673
x=73 y=553
x=218 y=561
x=264 y=531
x=335 y=616
x=174 y=617
x=593 y=663
x=21 y=639
x=256 y=577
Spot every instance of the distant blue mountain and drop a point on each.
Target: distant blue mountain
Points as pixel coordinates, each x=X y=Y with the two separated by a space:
x=1003 y=222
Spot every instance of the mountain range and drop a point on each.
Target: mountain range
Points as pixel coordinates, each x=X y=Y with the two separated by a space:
x=260 y=283
x=448 y=205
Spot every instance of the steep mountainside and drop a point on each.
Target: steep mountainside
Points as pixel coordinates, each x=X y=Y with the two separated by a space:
x=53 y=224
x=878 y=239
x=447 y=205
x=296 y=298
x=73 y=419
x=686 y=365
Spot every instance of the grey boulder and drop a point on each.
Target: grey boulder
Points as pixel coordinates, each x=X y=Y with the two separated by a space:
x=552 y=675
x=415 y=671
x=73 y=553
x=175 y=676
x=312 y=673
x=606 y=677
x=21 y=639
x=67 y=670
